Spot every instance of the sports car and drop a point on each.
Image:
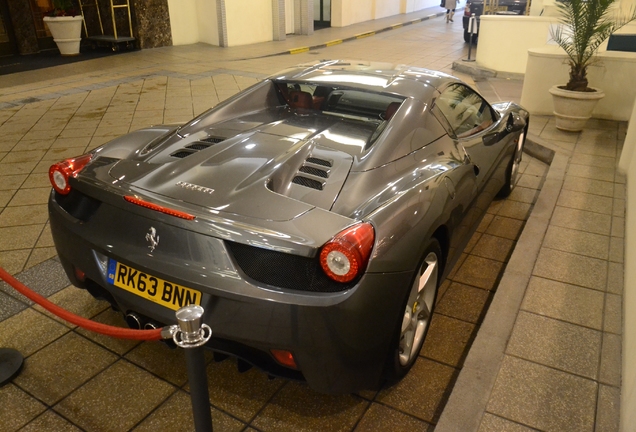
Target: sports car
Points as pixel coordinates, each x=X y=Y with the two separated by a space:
x=312 y=216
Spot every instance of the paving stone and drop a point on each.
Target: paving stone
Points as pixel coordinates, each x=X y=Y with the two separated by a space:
x=591 y=172
x=618 y=227
x=242 y=395
x=581 y=220
x=565 y=302
x=9 y=306
x=615 y=278
x=75 y=300
x=492 y=423
x=530 y=181
x=175 y=415
x=595 y=187
x=505 y=227
x=24 y=215
x=12 y=238
x=381 y=418
x=463 y=302
x=17 y=408
x=28 y=331
x=618 y=209
x=50 y=421
x=479 y=272
x=13 y=262
x=610 y=372
x=613 y=321
x=492 y=247
x=448 y=340
x=522 y=194
x=420 y=393
x=570 y=268
x=585 y=201
x=515 y=210
x=61 y=367
x=156 y=357
x=543 y=398
x=593 y=161
x=124 y=390
x=617 y=248
x=608 y=409
x=578 y=242
x=110 y=317
x=556 y=344
x=297 y=408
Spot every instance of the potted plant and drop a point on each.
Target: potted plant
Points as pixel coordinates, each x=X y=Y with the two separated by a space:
x=584 y=26
x=65 y=24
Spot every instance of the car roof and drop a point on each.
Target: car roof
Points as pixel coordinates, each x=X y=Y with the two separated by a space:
x=398 y=79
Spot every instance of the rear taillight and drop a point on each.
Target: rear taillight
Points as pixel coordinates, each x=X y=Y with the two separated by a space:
x=345 y=256
x=61 y=172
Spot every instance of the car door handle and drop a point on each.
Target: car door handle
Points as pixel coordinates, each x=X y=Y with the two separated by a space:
x=476 y=170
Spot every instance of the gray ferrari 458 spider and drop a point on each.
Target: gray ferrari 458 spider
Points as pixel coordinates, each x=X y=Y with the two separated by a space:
x=312 y=215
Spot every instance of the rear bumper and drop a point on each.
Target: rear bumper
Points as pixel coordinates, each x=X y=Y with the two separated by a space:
x=340 y=340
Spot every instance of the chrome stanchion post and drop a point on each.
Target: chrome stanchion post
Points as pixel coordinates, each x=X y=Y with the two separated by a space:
x=10 y=364
x=472 y=26
x=191 y=334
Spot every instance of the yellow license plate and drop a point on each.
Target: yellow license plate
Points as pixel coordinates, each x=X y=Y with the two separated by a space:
x=150 y=287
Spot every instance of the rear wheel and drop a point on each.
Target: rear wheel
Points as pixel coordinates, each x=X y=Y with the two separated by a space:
x=417 y=314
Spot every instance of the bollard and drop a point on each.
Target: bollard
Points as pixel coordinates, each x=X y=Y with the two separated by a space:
x=192 y=335
x=472 y=26
x=10 y=364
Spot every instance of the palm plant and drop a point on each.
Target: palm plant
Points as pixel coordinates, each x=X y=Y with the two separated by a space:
x=584 y=26
x=63 y=8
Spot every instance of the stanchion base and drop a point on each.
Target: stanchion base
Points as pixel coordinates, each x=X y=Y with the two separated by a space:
x=468 y=60
x=10 y=364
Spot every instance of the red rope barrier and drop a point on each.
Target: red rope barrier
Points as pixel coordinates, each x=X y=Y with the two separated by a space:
x=118 y=332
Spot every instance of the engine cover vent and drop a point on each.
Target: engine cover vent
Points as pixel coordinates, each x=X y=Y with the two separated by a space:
x=183 y=153
x=318 y=161
x=314 y=171
x=197 y=146
x=213 y=140
x=308 y=182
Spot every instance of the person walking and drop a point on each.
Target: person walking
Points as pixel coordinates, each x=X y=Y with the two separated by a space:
x=450 y=6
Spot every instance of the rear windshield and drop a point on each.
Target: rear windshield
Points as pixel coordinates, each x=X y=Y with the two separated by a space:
x=343 y=101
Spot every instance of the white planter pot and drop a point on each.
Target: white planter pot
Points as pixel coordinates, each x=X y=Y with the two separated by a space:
x=67 y=33
x=572 y=108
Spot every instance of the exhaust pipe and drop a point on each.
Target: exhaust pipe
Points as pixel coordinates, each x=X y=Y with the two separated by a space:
x=133 y=320
x=150 y=326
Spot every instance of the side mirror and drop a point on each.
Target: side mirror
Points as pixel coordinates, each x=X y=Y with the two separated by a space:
x=514 y=123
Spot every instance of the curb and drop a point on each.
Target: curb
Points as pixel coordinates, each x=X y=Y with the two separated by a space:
x=305 y=49
x=469 y=398
x=477 y=71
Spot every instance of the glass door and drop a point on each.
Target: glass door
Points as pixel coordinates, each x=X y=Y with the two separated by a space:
x=322 y=14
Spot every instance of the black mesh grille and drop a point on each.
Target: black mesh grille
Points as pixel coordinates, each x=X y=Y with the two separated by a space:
x=213 y=140
x=307 y=182
x=284 y=270
x=182 y=153
x=314 y=171
x=319 y=161
x=198 y=146
x=77 y=204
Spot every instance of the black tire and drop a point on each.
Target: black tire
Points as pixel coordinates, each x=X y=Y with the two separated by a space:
x=396 y=368
x=517 y=155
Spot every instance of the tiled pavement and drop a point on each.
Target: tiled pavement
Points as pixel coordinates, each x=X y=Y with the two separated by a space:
x=73 y=379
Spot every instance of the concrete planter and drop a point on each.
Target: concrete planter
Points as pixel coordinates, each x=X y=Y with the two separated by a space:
x=572 y=108
x=67 y=33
